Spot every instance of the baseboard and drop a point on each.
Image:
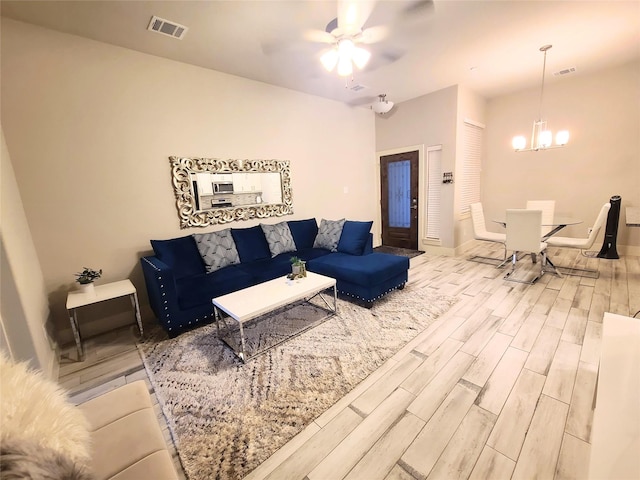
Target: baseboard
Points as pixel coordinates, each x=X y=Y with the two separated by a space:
x=629 y=250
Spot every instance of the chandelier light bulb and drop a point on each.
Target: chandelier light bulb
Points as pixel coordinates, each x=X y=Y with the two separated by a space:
x=545 y=138
x=562 y=137
x=519 y=142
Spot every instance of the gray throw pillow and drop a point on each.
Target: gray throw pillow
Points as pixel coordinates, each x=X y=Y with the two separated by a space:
x=279 y=238
x=217 y=249
x=329 y=234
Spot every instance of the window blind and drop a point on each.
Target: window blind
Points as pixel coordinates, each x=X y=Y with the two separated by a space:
x=471 y=166
x=434 y=193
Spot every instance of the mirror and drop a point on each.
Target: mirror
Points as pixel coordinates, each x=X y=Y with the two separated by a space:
x=211 y=191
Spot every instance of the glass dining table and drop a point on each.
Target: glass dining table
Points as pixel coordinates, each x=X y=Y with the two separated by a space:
x=558 y=223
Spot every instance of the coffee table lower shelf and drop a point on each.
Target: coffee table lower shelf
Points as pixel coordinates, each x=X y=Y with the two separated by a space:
x=254 y=304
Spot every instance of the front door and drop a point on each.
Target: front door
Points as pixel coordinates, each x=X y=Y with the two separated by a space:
x=399 y=184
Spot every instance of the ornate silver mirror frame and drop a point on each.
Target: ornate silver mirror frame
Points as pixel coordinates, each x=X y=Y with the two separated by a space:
x=191 y=214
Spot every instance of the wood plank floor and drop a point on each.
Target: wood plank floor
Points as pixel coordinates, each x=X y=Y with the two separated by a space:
x=499 y=387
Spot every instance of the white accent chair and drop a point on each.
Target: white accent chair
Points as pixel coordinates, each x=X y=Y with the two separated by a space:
x=480 y=232
x=581 y=243
x=523 y=235
x=548 y=208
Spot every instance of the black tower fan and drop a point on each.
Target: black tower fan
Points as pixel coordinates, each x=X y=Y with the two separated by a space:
x=608 y=249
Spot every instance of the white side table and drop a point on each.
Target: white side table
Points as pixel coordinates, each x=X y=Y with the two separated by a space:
x=104 y=292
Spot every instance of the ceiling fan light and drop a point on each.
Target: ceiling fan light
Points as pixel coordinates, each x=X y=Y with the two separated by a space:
x=562 y=137
x=329 y=59
x=345 y=47
x=519 y=142
x=345 y=68
x=360 y=57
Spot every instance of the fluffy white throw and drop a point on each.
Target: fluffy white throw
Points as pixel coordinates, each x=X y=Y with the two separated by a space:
x=34 y=409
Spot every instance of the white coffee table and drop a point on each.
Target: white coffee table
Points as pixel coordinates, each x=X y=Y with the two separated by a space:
x=252 y=302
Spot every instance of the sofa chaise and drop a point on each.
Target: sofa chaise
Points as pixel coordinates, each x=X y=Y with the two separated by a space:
x=187 y=272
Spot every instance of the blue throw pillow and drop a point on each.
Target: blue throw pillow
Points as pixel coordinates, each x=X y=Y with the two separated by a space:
x=304 y=232
x=354 y=237
x=251 y=243
x=181 y=254
x=329 y=234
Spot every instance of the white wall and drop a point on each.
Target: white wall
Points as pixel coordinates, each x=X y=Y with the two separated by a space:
x=90 y=128
x=24 y=310
x=425 y=121
x=602 y=159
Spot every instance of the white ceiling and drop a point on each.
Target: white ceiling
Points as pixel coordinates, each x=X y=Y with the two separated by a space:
x=491 y=47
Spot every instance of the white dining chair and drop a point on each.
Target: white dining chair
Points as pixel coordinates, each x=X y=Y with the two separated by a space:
x=480 y=232
x=581 y=243
x=548 y=208
x=523 y=235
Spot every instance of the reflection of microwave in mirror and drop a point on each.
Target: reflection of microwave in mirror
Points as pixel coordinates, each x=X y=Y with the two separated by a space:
x=223 y=187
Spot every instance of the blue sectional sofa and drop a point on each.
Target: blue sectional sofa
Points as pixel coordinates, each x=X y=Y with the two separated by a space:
x=187 y=272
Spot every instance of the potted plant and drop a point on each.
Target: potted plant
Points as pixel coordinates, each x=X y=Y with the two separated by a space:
x=86 y=279
x=298 y=267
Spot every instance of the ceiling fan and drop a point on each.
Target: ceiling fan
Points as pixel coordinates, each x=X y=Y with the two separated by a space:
x=347 y=35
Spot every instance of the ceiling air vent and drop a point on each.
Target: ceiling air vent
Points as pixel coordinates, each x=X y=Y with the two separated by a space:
x=165 y=27
x=565 y=71
x=357 y=88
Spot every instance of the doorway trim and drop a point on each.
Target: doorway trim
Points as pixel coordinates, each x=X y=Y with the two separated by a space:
x=377 y=230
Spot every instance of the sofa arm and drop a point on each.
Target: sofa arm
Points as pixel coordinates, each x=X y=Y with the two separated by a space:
x=127 y=442
x=161 y=288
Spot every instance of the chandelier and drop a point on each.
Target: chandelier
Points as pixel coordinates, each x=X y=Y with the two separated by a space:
x=345 y=54
x=541 y=137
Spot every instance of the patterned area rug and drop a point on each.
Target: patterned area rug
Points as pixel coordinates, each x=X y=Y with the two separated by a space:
x=227 y=417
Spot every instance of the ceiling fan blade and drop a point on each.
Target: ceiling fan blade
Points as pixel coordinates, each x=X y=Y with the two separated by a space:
x=353 y=14
x=289 y=47
x=319 y=36
x=374 y=34
x=382 y=58
x=419 y=7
